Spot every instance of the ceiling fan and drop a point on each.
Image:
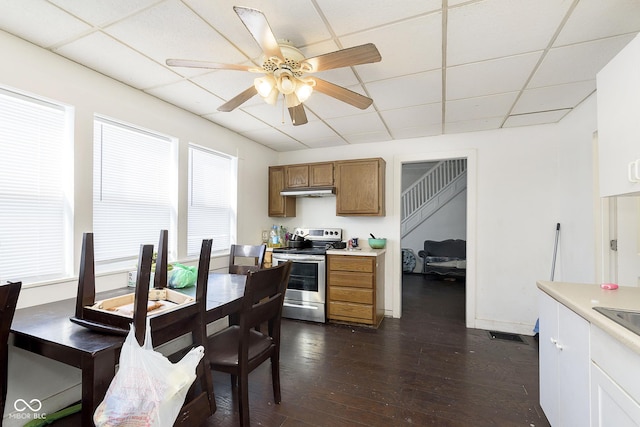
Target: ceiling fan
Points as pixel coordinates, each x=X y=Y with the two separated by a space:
x=286 y=70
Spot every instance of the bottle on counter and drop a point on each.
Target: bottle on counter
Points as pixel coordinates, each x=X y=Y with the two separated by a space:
x=274 y=240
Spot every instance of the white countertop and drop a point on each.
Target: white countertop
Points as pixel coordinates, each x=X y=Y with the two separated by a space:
x=581 y=297
x=362 y=251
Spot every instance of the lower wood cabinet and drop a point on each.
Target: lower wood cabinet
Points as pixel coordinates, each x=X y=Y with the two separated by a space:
x=355 y=289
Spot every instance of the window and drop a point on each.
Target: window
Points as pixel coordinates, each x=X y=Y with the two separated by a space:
x=212 y=195
x=36 y=187
x=134 y=190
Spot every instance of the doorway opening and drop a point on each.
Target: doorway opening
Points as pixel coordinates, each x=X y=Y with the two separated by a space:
x=466 y=201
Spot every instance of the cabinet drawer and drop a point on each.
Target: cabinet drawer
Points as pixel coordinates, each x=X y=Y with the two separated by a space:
x=348 y=278
x=363 y=296
x=351 y=312
x=352 y=263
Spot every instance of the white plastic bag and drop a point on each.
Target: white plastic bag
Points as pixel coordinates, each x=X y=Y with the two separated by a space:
x=148 y=390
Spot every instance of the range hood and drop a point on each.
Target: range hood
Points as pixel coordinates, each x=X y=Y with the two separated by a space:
x=309 y=192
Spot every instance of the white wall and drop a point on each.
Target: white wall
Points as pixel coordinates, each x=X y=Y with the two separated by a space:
x=39 y=72
x=526 y=180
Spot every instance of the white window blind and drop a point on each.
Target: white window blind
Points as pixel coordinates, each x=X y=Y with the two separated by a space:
x=212 y=189
x=36 y=175
x=134 y=176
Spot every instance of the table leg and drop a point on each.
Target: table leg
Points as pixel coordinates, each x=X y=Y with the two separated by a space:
x=97 y=373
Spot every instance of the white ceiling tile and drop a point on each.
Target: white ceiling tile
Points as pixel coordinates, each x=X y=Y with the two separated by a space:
x=578 y=62
x=275 y=115
x=554 y=97
x=417 y=131
x=367 y=137
x=424 y=115
x=594 y=19
x=353 y=125
x=271 y=137
x=407 y=91
x=406 y=47
x=490 y=77
x=104 y=11
x=497 y=28
x=39 y=22
x=535 y=118
x=356 y=15
x=107 y=56
x=313 y=129
x=171 y=30
x=228 y=83
x=479 y=108
x=473 y=125
x=186 y=95
x=328 y=107
x=236 y=120
x=325 y=142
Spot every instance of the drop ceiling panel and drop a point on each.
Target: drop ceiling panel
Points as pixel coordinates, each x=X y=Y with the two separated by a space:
x=106 y=55
x=479 y=108
x=594 y=19
x=227 y=84
x=237 y=121
x=360 y=124
x=186 y=95
x=400 y=118
x=490 y=77
x=351 y=16
x=407 y=91
x=105 y=11
x=328 y=107
x=554 y=97
x=171 y=30
x=535 y=118
x=407 y=47
x=496 y=28
x=473 y=125
x=273 y=138
x=578 y=62
x=39 y=22
x=367 y=137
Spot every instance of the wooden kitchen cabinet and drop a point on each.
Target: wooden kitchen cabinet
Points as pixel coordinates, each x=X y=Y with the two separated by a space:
x=309 y=175
x=360 y=187
x=564 y=364
x=279 y=206
x=355 y=289
x=618 y=86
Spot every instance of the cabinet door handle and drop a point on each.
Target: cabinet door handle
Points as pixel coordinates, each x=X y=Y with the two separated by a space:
x=634 y=171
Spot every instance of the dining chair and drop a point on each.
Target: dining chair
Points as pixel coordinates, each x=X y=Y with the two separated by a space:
x=245 y=258
x=239 y=349
x=8 y=300
x=200 y=402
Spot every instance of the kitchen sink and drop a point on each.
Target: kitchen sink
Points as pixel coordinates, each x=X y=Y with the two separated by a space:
x=628 y=318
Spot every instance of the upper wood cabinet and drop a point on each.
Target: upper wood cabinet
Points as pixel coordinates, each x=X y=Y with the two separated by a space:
x=360 y=187
x=279 y=206
x=309 y=175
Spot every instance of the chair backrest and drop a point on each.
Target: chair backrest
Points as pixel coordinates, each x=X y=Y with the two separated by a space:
x=252 y=255
x=263 y=299
x=8 y=300
x=200 y=402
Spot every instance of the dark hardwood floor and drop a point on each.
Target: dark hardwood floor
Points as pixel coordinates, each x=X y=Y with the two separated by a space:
x=424 y=369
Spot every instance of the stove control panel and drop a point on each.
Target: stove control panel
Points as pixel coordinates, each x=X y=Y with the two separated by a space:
x=319 y=234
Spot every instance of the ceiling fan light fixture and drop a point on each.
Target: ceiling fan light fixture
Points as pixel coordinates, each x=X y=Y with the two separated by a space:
x=304 y=89
x=286 y=83
x=264 y=85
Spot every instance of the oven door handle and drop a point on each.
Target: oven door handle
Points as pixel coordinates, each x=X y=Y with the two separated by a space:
x=299 y=259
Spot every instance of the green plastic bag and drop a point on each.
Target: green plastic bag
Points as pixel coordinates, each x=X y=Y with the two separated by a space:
x=183 y=276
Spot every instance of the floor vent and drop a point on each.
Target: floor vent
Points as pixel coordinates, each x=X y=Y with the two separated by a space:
x=505 y=336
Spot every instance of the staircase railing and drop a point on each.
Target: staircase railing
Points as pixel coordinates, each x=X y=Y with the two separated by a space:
x=430 y=184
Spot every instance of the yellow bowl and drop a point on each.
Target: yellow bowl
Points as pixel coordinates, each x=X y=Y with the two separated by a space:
x=377 y=243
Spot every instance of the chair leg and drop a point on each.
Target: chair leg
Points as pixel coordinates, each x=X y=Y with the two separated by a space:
x=275 y=377
x=243 y=398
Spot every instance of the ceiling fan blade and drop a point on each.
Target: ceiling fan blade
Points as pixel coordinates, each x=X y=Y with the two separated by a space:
x=363 y=54
x=212 y=65
x=298 y=115
x=238 y=100
x=343 y=94
x=258 y=26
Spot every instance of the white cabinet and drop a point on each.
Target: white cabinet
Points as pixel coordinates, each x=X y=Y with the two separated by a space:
x=564 y=364
x=618 y=86
x=615 y=382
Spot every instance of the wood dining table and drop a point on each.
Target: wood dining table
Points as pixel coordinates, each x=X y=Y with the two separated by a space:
x=46 y=330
